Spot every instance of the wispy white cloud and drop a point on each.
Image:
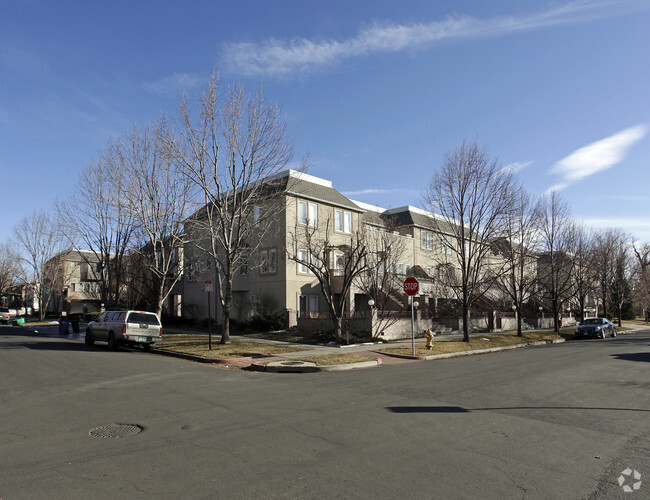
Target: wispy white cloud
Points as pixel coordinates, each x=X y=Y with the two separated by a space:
x=555 y=187
x=596 y=157
x=173 y=84
x=298 y=56
x=367 y=191
x=513 y=168
x=639 y=227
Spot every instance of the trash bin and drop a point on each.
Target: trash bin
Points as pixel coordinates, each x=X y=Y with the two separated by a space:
x=64 y=323
x=75 y=324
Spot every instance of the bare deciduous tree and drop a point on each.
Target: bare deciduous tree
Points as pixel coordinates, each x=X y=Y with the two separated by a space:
x=379 y=281
x=227 y=152
x=557 y=246
x=642 y=289
x=8 y=267
x=38 y=241
x=159 y=196
x=584 y=271
x=622 y=275
x=336 y=263
x=471 y=195
x=517 y=248
x=97 y=218
x=606 y=244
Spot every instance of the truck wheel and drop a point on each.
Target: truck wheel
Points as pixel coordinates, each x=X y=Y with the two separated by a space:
x=90 y=340
x=112 y=344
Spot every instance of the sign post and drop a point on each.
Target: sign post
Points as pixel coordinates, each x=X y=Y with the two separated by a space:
x=208 y=288
x=411 y=288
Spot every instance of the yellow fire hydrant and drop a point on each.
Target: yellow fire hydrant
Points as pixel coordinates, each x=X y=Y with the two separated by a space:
x=430 y=335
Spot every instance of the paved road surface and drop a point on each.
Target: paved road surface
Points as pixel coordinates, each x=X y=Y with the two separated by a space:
x=561 y=421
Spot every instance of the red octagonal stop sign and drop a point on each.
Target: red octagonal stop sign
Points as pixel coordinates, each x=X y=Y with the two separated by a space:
x=411 y=286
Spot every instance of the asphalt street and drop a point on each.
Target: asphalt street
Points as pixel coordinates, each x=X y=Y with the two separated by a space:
x=560 y=421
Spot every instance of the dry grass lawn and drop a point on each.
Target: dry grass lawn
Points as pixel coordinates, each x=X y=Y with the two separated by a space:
x=476 y=342
x=197 y=345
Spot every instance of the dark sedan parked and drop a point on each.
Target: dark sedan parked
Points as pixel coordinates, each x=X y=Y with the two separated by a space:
x=596 y=327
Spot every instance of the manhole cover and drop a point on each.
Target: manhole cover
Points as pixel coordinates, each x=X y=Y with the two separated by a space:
x=115 y=431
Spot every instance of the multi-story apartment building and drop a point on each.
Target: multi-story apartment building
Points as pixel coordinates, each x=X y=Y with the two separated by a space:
x=273 y=271
x=268 y=273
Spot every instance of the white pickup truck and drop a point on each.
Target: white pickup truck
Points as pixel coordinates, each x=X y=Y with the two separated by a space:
x=125 y=327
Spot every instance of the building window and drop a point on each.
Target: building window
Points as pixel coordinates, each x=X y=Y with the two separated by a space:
x=342 y=221
x=257 y=211
x=302 y=257
x=243 y=263
x=307 y=213
x=445 y=245
x=72 y=287
x=193 y=271
x=268 y=262
x=401 y=269
x=339 y=263
x=264 y=261
x=426 y=240
x=272 y=260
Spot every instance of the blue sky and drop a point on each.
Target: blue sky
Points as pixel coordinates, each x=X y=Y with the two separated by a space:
x=377 y=91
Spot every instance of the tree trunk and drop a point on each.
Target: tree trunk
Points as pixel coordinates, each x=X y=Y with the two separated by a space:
x=225 y=325
x=227 y=304
x=519 y=332
x=465 y=323
x=338 y=331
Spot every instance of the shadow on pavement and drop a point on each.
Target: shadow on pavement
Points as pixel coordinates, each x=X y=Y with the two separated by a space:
x=50 y=345
x=460 y=409
x=635 y=356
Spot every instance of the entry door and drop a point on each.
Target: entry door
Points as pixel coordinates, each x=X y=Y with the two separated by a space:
x=308 y=306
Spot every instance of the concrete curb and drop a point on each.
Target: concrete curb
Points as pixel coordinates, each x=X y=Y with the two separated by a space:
x=287 y=366
x=202 y=359
x=470 y=353
x=350 y=366
x=493 y=349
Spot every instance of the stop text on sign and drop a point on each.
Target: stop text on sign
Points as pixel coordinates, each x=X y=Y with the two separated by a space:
x=411 y=286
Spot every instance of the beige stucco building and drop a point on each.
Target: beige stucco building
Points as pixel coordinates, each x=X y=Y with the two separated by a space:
x=420 y=244
x=75 y=286
x=270 y=274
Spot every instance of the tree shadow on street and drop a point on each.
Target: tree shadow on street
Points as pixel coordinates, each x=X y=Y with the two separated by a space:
x=633 y=356
x=460 y=409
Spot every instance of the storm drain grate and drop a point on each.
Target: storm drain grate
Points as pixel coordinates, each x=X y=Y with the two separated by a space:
x=115 y=431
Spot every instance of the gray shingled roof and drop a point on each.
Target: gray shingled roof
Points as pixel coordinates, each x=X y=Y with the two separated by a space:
x=317 y=192
x=372 y=217
x=408 y=217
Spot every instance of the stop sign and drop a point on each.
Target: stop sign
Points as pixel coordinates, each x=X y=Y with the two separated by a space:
x=411 y=286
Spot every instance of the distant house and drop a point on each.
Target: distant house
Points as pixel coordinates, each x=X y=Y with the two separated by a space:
x=73 y=282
